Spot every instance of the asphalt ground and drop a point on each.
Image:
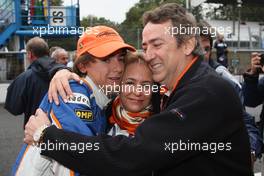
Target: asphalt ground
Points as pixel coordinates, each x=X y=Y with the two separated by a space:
x=11 y=139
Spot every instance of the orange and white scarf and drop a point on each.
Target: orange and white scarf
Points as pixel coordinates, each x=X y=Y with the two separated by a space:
x=127 y=120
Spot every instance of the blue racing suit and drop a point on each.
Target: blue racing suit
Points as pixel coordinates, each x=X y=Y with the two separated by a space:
x=83 y=113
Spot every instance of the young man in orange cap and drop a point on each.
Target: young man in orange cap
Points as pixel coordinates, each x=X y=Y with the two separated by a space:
x=100 y=63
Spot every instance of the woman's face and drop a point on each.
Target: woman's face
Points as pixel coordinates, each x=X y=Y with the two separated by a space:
x=135 y=93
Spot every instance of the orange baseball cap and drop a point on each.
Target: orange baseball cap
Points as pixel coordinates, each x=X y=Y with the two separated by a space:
x=101 y=41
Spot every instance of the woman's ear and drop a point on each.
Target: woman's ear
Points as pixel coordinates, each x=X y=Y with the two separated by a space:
x=82 y=68
x=189 y=46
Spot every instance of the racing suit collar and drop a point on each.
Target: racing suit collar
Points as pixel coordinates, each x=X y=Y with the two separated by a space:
x=101 y=99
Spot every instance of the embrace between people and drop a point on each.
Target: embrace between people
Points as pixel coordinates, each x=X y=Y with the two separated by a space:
x=132 y=126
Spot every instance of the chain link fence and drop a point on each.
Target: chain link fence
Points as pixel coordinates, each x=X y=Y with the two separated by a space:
x=11 y=65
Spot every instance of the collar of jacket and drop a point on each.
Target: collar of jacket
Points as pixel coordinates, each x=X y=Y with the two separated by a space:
x=41 y=67
x=44 y=62
x=101 y=99
x=187 y=77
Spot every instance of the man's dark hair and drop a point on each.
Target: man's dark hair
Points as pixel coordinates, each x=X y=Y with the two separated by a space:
x=85 y=59
x=179 y=16
x=38 y=47
x=203 y=24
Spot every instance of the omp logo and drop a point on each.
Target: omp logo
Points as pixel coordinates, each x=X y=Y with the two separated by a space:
x=84 y=114
x=80 y=99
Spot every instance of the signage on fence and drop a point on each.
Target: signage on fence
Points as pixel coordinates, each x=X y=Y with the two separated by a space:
x=58 y=16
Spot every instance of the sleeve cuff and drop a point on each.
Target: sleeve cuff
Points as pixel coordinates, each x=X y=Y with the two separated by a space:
x=49 y=131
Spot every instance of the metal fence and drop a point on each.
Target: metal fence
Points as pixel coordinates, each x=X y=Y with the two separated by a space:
x=6 y=13
x=11 y=65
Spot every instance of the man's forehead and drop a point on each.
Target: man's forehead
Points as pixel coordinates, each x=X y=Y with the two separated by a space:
x=61 y=56
x=159 y=27
x=64 y=54
x=155 y=31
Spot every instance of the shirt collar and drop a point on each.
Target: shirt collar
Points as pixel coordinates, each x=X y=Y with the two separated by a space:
x=101 y=99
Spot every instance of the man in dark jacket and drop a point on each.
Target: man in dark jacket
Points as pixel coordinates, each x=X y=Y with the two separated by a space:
x=190 y=136
x=221 y=50
x=253 y=87
x=254 y=136
x=27 y=90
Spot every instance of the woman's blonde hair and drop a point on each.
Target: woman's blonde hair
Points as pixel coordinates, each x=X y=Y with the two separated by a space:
x=132 y=58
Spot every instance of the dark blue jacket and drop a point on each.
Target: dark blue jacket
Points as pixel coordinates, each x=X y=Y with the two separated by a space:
x=26 y=92
x=253 y=132
x=253 y=89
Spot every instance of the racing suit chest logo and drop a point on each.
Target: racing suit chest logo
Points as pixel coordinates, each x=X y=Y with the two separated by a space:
x=79 y=98
x=84 y=114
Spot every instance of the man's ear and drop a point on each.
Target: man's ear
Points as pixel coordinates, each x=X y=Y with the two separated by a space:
x=30 y=56
x=189 y=46
x=82 y=67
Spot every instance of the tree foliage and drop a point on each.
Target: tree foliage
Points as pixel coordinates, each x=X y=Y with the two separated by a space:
x=91 y=20
x=230 y=12
x=56 y=2
x=131 y=28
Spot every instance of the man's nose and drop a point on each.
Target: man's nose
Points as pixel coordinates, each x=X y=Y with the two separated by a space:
x=117 y=65
x=149 y=55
